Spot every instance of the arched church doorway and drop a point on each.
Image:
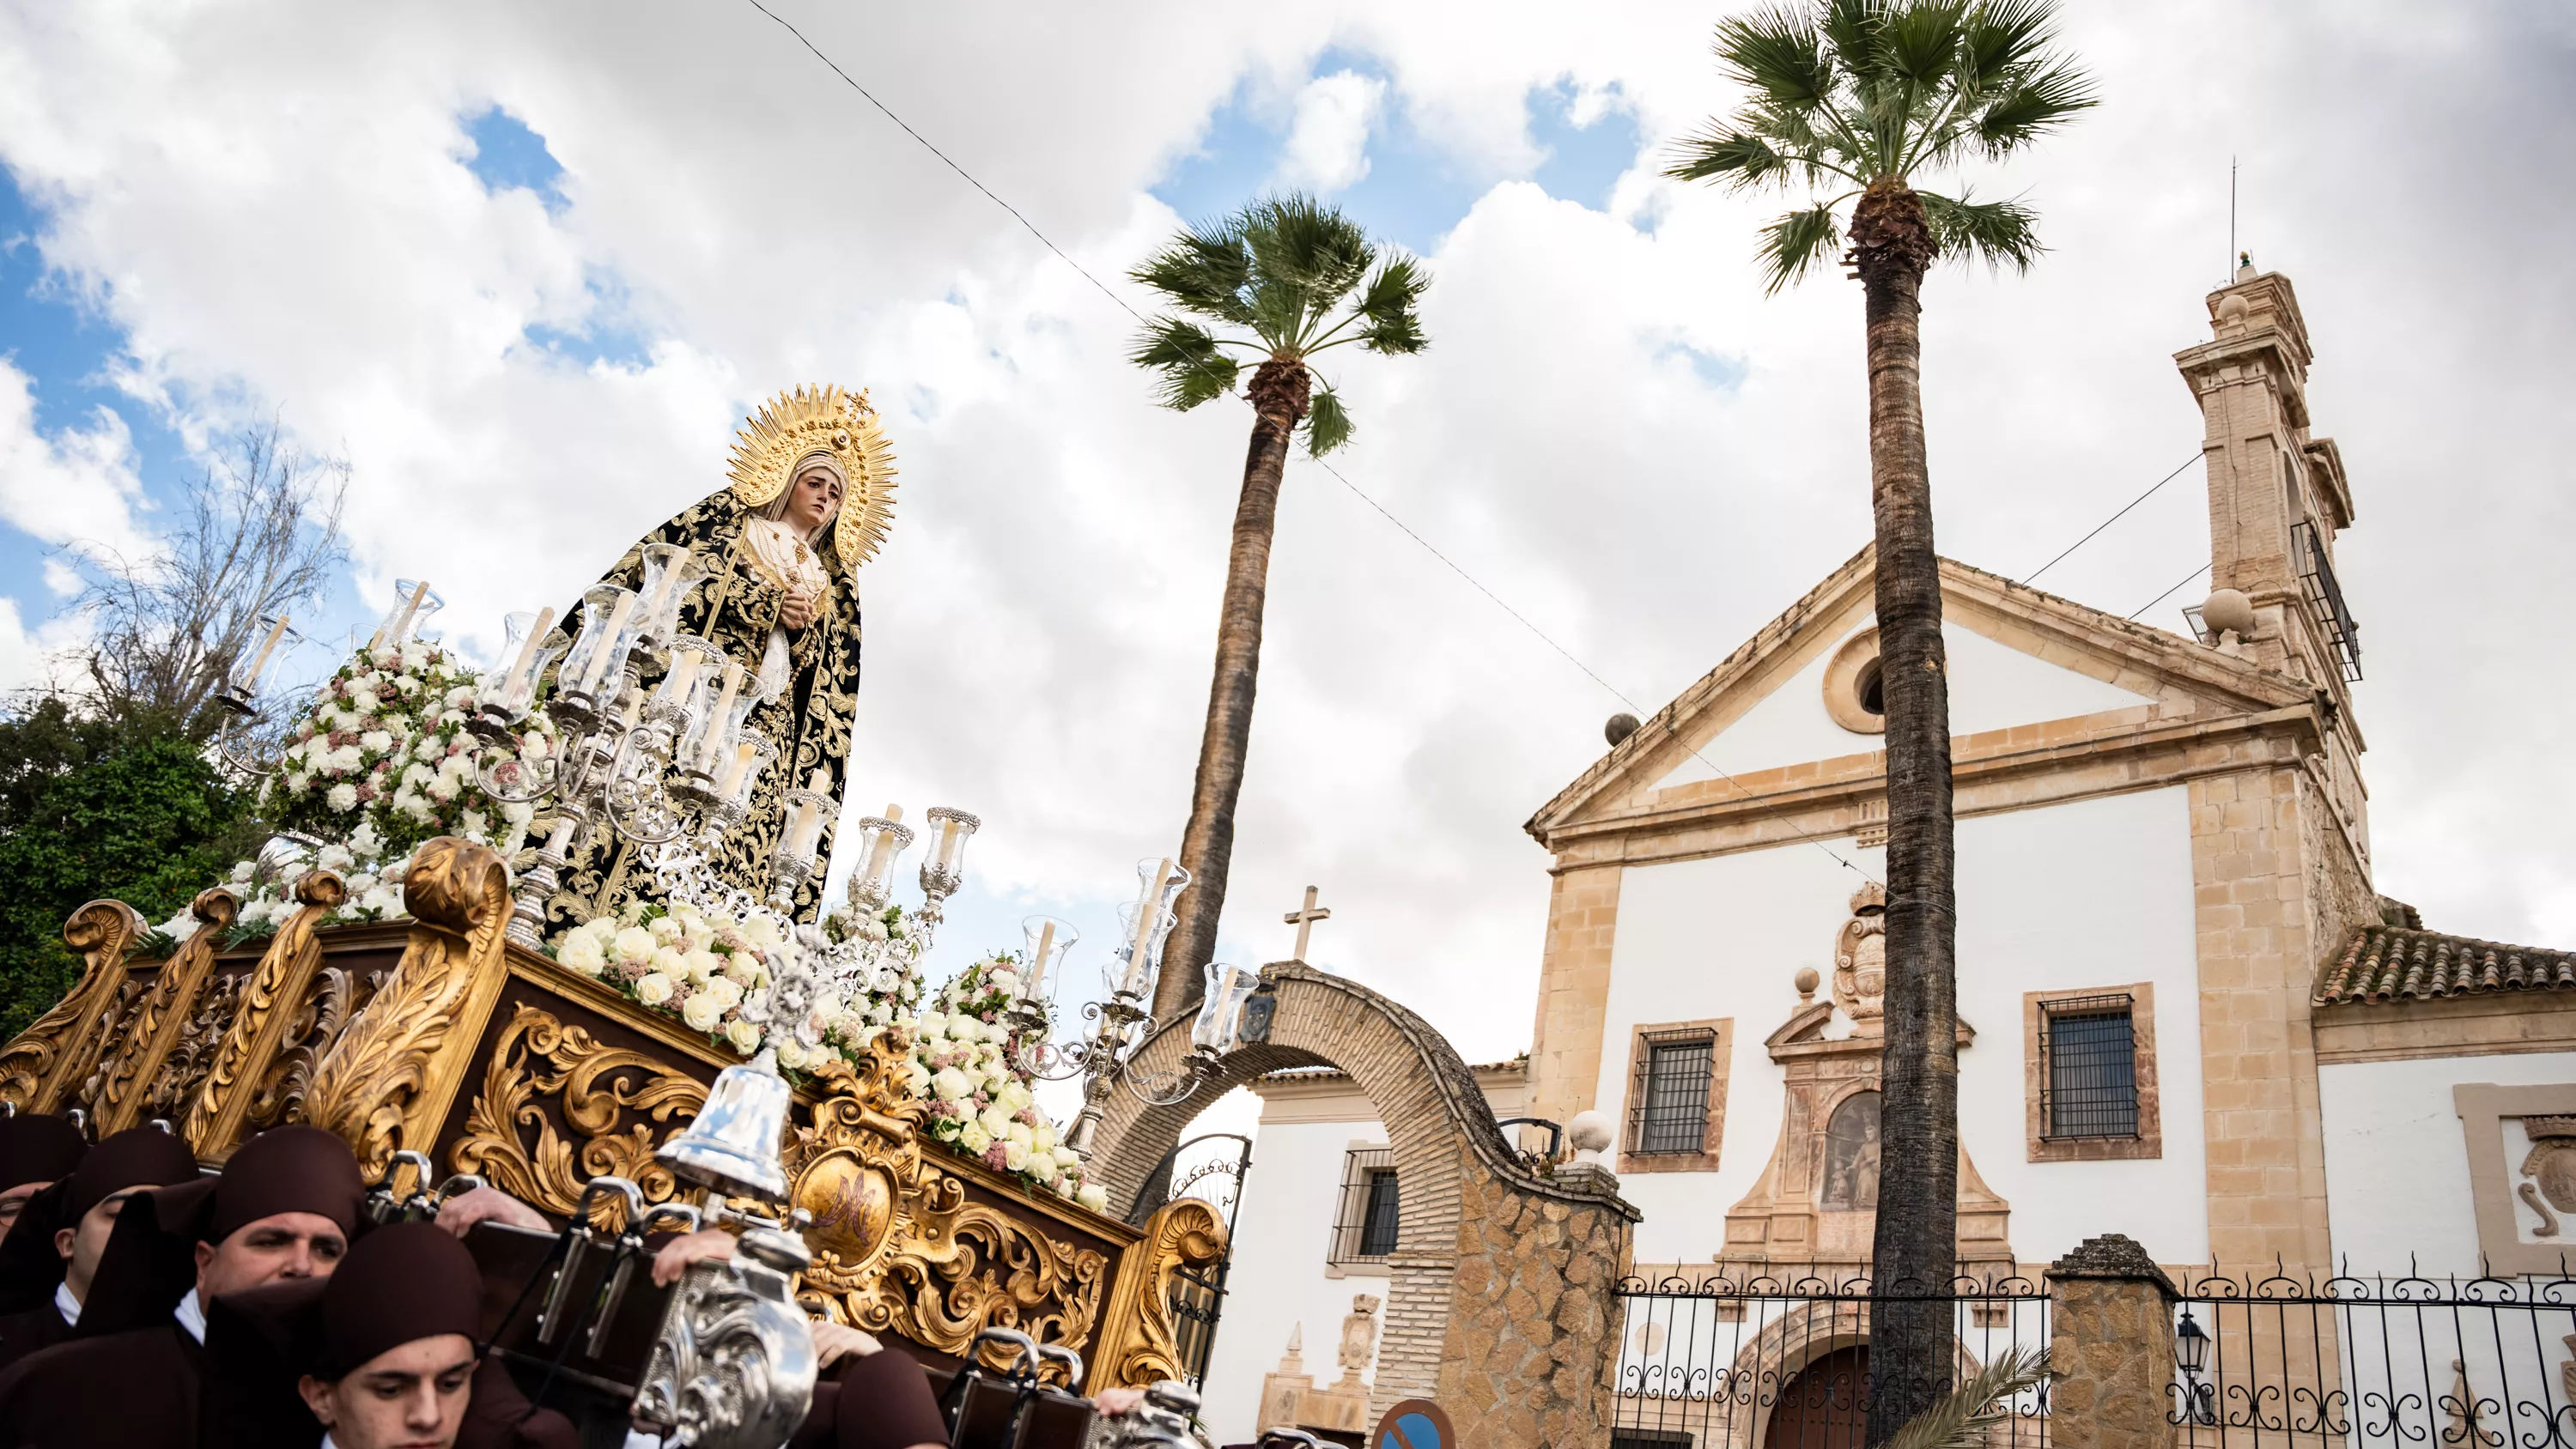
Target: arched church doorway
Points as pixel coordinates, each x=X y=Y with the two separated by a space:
x=1824 y=1405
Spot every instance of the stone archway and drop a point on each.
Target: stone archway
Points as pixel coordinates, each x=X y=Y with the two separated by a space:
x=1499 y=1301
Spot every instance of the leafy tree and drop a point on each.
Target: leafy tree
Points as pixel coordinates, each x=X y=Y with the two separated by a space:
x=124 y=806
x=1851 y=101
x=1285 y=278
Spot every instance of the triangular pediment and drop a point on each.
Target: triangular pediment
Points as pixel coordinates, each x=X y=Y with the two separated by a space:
x=2019 y=659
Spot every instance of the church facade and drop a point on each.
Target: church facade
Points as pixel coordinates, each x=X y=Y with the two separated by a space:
x=2186 y=1013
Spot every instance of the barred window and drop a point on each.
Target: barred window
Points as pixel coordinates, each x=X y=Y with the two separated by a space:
x=1668 y=1110
x=2088 y=1067
x=1368 y=1224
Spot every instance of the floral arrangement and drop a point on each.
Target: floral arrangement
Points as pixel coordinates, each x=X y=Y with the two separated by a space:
x=980 y=1100
x=386 y=748
x=683 y=963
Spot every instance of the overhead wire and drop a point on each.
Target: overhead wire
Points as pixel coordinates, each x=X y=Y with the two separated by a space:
x=1381 y=509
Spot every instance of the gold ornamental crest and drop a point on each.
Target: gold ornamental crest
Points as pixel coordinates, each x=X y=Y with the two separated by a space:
x=827 y=422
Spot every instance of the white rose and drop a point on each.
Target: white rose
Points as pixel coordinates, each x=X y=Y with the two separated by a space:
x=974 y=1139
x=1015 y=1155
x=475 y=824
x=951 y=1086
x=634 y=944
x=336 y=858
x=376 y=741
x=1067 y=1158
x=580 y=952
x=342 y=798
x=917 y=1079
x=428 y=749
x=744 y=1036
x=653 y=988
x=364 y=701
x=699 y=932
x=1043 y=1166
x=417 y=808
x=667 y=932
x=296 y=781
x=346 y=758
x=244 y=870
x=792 y=1055
x=761 y=932
x=365 y=841
x=669 y=963
x=702 y=966
x=723 y=991
x=931 y=1024
x=1014 y=1095
x=702 y=1011
x=1093 y=1196
x=459 y=697
x=1043 y=1135
x=997 y=1122
x=1019 y=1133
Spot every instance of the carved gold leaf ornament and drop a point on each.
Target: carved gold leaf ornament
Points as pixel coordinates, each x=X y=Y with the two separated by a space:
x=620 y=1105
x=41 y=1067
x=395 y=1062
x=269 y=1001
x=794 y=426
x=1141 y=1332
x=162 y=1020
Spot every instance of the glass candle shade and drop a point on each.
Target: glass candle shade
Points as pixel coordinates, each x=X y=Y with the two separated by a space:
x=1049 y=937
x=949 y=829
x=273 y=635
x=805 y=810
x=881 y=839
x=1219 y=1027
x=1140 y=952
x=598 y=657
x=669 y=571
x=412 y=606
x=684 y=693
x=528 y=645
x=736 y=693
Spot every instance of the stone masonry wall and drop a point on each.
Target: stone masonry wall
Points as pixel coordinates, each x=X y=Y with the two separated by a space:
x=1530 y=1345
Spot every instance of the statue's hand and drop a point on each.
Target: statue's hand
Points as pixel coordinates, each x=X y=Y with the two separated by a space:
x=798 y=609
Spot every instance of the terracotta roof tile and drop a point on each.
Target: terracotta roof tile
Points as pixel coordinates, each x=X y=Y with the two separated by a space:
x=2392 y=963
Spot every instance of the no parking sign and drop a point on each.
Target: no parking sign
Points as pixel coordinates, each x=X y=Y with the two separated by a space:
x=1414 y=1424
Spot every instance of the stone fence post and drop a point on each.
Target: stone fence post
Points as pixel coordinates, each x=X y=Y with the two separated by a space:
x=2112 y=1345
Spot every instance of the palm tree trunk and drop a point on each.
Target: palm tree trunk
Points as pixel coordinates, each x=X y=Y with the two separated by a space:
x=1916 y=1250
x=1280 y=392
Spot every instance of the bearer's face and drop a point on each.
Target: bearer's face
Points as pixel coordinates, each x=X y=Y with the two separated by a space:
x=286 y=1245
x=817 y=498
x=15 y=1199
x=409 y=1397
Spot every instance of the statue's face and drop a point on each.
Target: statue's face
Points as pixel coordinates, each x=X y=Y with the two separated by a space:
x=812 y=499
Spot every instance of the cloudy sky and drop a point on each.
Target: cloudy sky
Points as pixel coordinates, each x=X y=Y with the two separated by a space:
x=524 y=266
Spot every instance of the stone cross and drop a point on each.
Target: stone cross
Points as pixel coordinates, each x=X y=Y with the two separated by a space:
x=1305 y=921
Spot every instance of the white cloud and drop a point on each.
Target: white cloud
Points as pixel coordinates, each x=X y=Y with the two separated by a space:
x=1327 y=149
x=266 y=196
x=28 y=657
x=76 y=487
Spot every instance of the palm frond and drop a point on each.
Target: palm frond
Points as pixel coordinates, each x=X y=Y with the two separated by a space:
x=1390 y=320
x=1778 y=52
x=1301 y=244
x=1850 y=29
x=1328 y=425
x=2001 y=39
x=1918 y=44
x=2032 y=107
x=1194 y=367
x=1739 y=159
x=1998 y=233
x=1798 y=243
x=1962 y=1417
x=1204 y=270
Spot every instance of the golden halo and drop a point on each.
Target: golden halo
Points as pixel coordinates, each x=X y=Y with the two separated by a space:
x=841 y=425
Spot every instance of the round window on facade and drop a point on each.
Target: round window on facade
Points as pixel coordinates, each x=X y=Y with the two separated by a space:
x=1855 y=691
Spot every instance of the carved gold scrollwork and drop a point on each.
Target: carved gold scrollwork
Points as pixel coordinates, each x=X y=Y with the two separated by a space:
x=897 y=1245
x=41 y=1068
x=1142 y=1338
x=335 y=999
x=620 y=1105
x=184 y=1070
x=268 y=1003
x=388 y=1080
x=161 y=1019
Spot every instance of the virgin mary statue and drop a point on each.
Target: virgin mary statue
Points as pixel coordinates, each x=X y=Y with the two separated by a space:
x=810 y=495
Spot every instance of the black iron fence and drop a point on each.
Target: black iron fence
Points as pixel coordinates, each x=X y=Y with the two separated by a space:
x=1768 y=1356
x=2442 y=1363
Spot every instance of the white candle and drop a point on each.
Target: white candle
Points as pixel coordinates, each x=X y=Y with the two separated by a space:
x=741 y=766
x=800 y=835
x=662 y=591
x=402 y=625
x=1147 y=908
x=250 y=681
x=1038 y=962
x=881 y=853
x=519 y=681
x=607 y=645
x=716 y=721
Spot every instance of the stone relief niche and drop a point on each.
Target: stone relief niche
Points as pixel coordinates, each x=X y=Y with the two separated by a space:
x=2522 y=1173
x=1817 y=1198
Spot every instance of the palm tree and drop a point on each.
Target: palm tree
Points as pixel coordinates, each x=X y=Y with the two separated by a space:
x=1850 y=101
x=1286 y=278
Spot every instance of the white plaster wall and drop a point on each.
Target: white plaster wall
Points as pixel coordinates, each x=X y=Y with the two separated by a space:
x=1992 y=686
x=2397 y=1160
x=2089 y=894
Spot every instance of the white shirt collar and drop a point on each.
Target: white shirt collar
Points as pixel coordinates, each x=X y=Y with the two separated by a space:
x=192 y=1316
x=65 y=1304
x=328 y=1442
